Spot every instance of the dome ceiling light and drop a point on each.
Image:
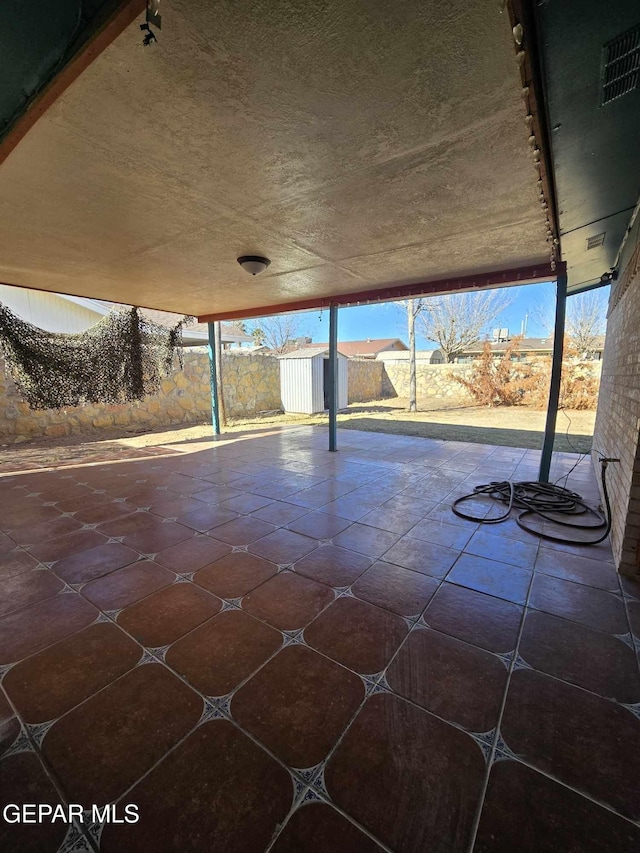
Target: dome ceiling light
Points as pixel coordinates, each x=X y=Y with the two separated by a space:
x=253 y=264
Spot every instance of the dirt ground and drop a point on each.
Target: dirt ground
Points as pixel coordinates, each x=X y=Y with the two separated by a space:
x=509 y=426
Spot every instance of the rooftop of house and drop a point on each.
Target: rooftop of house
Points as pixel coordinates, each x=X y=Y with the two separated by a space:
x=369 y=347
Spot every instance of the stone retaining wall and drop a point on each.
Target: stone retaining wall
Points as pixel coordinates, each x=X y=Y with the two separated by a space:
x=251 y=382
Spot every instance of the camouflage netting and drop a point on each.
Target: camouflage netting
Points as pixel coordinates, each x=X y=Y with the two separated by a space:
x=121 y=359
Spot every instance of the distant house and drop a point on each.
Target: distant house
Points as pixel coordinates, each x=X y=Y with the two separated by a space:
x=57 y=312
x=528 y=348
x=367 y=349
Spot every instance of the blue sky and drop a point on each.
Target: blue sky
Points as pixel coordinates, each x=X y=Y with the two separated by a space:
x=389 y=321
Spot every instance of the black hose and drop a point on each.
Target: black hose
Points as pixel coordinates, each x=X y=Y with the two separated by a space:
x=541 y=499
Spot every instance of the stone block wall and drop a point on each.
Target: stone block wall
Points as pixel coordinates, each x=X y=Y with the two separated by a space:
x=617 y=429
x=432 y=380
x=251 y=382
x=366 y=381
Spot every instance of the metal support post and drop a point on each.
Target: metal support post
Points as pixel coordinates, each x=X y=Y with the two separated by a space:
x=213 y=379
x=333 y=378
x=556 y=373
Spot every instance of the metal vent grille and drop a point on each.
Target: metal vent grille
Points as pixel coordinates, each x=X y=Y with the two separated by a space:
x=596 y=240
x=621 y=65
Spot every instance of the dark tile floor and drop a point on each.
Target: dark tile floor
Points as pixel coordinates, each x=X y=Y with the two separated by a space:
x=267 y=647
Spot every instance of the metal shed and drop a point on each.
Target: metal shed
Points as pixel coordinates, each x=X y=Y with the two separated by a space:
x=304 y=380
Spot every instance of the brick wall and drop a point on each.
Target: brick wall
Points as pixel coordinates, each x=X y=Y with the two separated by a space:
x=251 y=383
x=618 y=416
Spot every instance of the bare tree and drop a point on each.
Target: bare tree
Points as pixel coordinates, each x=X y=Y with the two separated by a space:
x=457 y=321
x=586 y=319
x=279 y=333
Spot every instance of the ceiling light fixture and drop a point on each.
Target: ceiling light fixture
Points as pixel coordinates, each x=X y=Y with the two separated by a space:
x=253 y=264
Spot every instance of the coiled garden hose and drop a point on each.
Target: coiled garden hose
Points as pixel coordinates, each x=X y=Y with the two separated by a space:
x=550 y=502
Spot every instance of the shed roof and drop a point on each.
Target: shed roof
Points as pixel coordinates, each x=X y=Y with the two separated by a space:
x=310 y=351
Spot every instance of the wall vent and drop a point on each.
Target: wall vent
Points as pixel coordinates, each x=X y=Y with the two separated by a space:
x=621 y=65
x=595 y=241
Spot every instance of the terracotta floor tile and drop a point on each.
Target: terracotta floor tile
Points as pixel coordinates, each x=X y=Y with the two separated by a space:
x=168 y=614
x=27 y=588
x=319 y=525
x=598 y=662
x=66 y=546
x=630 y=587
x=479 y=619
x=633 y=609
x=395 y=521
x=394 y=588
x=492 y=545
x=85 y=502
x=31 y=515
x=420 y=556
x=243 y=531
x=33 y=628
x=224 y=651
x=35 y=534
x=171 y=506
x=235 y=575
x=24 y=780
x=580 y=603
x=128 y=524
x=589 y=743
x=410 y=779
x=153 y=540
x=127 y=585
x=94 y=562
x=366 y=540
x=126 y=729
x=317 y=828
x=280 y=513
x=283 y=546
x=246 y=503
x=217 y=494
x=356 y=634
x=192 y=554
x=105 y=512
x=348 y=507
x=207 y=518
x=288 y=601
x=576 y=568
x=298 y=705
x=459 y=682
x=528 y=812
x=403 y=504
x=492 y=578
x=48 y=684
x=333 y=566
x=15 y=562
x=442 y=533
x=250 y=795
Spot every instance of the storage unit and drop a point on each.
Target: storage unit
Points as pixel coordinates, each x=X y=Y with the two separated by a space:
x=304 y=380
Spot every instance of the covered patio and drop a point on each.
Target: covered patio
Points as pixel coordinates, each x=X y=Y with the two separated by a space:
x=264 y=647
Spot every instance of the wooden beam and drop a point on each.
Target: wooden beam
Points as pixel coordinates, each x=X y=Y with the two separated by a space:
x=390 y=293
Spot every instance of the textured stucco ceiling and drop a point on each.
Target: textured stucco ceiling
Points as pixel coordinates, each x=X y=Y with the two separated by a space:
x=356 y=144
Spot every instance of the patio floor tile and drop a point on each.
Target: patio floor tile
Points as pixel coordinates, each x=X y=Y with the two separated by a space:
x=319 y=525
x=125 y=728
x=207 y=518
x=580 y=603
x=394 y=588
x=128 y=585
x=235 y=575
x=224 y=651
x=280 y=513
x=512 y=551
x=587 y=742
x=216 y=764
x=458 y=682
x=47 y=685
x=573 y=567
x=498 y=579
x=168 y=614
x=357 y=634
x=27 y=588
x=242 y=531
x=288 y=601
x=441 y=766
x=15 y=562
x=317 y=828
x=366 y=540
x=420 y=556
x=479 y=619
x=283 y=546
x=298 y=704
x=94 y=562
x=441 y=533
x=333 y=566
x=24 y=780
x=158 y=537
x=528 y=812
x=582 y=656
x=192 y=554
x=65 y=546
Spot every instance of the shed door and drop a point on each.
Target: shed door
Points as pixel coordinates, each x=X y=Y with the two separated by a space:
x=325 y=381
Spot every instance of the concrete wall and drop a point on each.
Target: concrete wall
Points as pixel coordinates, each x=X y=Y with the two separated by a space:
x=618 y=417
x=251 y=382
